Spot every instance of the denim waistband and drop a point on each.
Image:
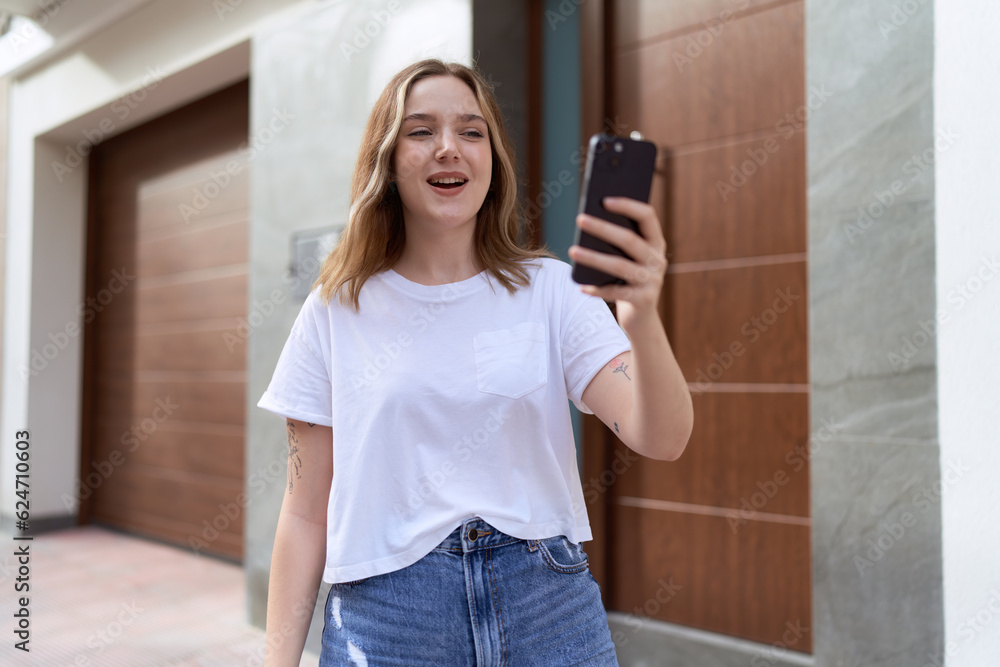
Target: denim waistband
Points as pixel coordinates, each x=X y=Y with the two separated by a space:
x=475 y=534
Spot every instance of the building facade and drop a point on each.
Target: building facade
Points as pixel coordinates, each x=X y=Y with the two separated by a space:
x=174 y=171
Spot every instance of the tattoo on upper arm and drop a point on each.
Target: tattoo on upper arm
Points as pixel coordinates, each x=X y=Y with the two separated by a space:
x=620 y=366
x=310 y=425
x=294 y=462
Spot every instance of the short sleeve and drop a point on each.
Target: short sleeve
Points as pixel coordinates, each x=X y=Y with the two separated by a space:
x=301 y=387
x=591 y=338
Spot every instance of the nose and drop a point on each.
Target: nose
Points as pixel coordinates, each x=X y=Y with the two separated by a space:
x=447 y=146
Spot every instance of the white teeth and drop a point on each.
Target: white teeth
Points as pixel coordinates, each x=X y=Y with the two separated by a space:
x=447 y=181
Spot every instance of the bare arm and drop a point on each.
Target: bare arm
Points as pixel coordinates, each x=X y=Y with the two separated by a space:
x=299 y=543
x=642 y=395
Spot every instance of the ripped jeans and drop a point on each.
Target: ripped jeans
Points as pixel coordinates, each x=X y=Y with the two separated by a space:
x=480 y=599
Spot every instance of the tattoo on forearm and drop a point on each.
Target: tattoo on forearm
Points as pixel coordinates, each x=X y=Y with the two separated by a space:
x=294 y=462
x=620 y=366
x=616 y=428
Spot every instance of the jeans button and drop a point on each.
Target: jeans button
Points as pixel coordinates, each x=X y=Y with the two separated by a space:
x=473 y=534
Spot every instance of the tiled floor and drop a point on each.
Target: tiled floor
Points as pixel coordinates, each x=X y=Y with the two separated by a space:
x=102 y=599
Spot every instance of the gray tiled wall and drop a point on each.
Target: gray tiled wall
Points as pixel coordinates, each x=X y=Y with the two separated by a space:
x=877 y=588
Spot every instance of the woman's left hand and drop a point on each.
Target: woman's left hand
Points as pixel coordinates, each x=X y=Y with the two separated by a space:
x=642 y=270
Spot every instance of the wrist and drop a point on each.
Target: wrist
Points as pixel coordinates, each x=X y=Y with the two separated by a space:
x=639 y=321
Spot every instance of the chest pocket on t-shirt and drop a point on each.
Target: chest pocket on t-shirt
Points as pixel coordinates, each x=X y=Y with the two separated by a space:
x=512 y=362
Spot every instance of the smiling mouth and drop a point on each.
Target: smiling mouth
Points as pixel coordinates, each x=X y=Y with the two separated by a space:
x=447 y=183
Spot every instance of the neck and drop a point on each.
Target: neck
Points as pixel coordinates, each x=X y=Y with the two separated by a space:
x=438 y=257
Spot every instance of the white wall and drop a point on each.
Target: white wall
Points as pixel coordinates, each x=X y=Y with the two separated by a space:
x=966 y=98
x=56 y=343
x=162 y=56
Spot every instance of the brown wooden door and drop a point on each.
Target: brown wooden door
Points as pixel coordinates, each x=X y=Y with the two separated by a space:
x=164 y=347
x=720 y=539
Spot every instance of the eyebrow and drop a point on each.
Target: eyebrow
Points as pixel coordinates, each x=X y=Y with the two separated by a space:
x=427 y=117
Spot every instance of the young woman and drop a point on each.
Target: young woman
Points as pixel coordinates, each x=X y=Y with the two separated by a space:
x=432 y=474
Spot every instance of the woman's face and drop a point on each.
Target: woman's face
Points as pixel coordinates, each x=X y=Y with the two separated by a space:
x=443 y=160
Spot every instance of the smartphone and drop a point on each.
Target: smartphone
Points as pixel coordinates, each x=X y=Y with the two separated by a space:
x=616 y=167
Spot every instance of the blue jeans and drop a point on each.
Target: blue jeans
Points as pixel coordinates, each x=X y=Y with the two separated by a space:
x=479 y=599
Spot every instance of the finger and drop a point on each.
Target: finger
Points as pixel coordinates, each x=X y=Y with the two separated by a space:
x=614 y=265
x=633 y=245
x=627 y=240
x=643 y=214
x=610 y=292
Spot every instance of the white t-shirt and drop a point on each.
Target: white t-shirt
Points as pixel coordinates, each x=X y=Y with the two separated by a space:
x=446 y=401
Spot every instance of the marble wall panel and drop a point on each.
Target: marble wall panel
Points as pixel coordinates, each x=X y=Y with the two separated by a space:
x=873 y=366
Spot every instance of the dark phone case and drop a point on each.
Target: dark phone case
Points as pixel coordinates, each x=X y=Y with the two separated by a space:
x=609 y=173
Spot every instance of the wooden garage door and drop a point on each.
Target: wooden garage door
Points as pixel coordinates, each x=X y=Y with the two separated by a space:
x=720 y=539
x=164 y=347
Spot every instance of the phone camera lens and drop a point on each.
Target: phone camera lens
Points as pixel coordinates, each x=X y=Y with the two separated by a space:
x=618 y=147
x=601 y=146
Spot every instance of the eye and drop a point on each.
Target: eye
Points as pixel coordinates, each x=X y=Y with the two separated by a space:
x=419 y=133
x=474 y=133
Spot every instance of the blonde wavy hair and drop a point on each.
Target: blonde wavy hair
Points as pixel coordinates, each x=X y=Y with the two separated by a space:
x=374 y=237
